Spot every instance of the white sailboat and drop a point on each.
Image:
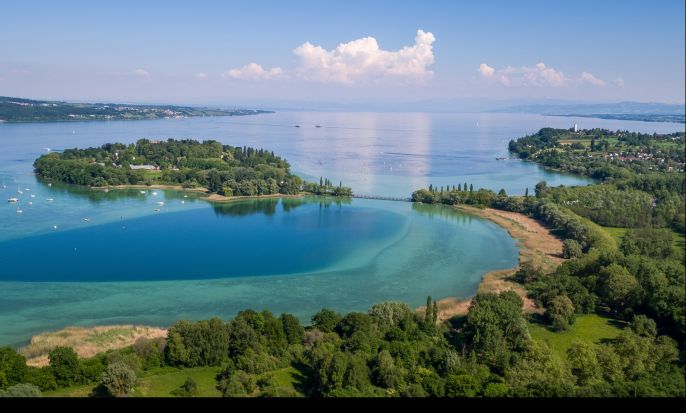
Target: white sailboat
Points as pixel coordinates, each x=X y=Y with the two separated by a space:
x=13 y=200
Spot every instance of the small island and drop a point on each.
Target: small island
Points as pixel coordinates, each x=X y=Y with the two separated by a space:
x=221 y=170
x=28 y=110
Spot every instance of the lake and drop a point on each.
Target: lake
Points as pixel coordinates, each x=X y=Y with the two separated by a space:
x=75 y=256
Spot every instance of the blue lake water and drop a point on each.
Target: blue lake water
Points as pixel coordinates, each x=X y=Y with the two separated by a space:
x=75 y=256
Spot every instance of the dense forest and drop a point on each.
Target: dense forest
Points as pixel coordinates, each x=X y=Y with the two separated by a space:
x=27 y=110
x=221 y=169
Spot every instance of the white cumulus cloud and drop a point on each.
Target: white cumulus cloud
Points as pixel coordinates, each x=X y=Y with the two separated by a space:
x=364 y=60
x=486 y=70
x=201 y=76
x=592 y=80
x=141 y=72
x=253 y=71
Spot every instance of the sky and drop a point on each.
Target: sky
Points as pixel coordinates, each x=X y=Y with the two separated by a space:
x=234 y=53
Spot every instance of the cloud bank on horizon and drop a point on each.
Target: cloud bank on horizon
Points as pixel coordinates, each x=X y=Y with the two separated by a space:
x=354 y=62
x=539 y=76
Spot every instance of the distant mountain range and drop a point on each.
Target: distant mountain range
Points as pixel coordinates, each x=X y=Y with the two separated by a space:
x=27 y=110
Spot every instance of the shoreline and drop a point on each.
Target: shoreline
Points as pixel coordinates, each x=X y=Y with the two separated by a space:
x=535 y=243
x=204 y=192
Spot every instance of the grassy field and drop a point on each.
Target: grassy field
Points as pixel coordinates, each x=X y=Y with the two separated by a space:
x=74 y=391
x=678 y=240
x=164 y=382
x=617 y=233
x=161 y=382
x=589 y=327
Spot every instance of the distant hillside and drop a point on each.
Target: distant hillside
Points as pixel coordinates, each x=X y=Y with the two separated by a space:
x=27 y=110
x=648 y=112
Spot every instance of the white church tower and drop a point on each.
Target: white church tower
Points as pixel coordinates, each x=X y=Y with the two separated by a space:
x=576 y=128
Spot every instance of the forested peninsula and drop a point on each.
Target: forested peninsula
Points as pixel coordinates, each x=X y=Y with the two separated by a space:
x=28 y=110
x=219 y=169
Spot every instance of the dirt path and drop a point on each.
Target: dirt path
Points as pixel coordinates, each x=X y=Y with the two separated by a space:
x=536 y=244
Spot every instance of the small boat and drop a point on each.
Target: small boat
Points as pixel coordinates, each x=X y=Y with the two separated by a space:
x=33 y=196
x=185 y=196
x=20 y=192
x=13 y=200
x=27 y=189
x=297 y=126
x=49 y=199
x=49 y=185
x=500 y=158
x=143 y=192
x=183 y=202
x=154 y=193
x=87 y=219
x=54 y=227
x=19 y=211
x=317 y=126
x=156 y=210
x=30 y=203
x=160 y=203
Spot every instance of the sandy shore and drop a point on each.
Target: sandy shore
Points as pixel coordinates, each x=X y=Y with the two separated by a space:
x=86 y=341
x=222 y=198
x=206 y=195
x=536 y=244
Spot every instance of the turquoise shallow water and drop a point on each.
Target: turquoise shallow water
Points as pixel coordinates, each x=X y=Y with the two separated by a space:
x=89 y=257
x=367 y=252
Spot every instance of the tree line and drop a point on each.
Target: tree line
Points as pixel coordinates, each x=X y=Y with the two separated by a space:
x=388 y=351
